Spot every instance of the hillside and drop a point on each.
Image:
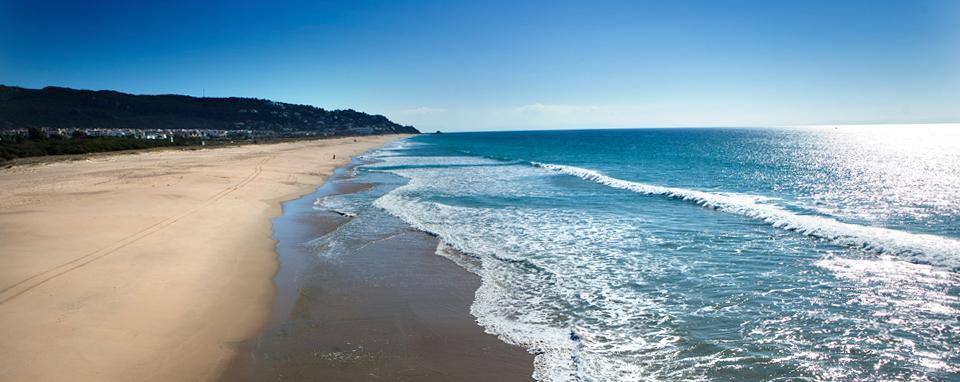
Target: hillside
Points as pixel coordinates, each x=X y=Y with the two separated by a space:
x=64 y=108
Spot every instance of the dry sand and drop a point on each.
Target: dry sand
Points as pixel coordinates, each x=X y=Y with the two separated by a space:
x=151 y=266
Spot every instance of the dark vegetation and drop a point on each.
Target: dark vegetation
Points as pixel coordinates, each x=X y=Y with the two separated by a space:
x=36 y=144
x=56 y=107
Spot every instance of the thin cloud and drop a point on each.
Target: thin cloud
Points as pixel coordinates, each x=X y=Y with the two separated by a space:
x=556 y=109
x=423 y=110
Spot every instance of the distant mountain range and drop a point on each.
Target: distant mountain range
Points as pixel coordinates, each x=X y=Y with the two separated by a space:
x=57 y=107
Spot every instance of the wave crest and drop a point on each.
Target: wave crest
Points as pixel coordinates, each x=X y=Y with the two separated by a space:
x=922 y=248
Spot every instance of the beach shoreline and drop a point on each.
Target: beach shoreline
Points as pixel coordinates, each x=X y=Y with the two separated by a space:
x=151 y=266
x=363 y=296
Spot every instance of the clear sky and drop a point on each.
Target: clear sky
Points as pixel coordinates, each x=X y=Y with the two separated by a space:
x=482 y=65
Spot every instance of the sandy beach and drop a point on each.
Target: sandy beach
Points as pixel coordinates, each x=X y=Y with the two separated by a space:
x=146 y=267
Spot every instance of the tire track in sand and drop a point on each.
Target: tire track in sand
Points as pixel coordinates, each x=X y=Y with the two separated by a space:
x=19 y=288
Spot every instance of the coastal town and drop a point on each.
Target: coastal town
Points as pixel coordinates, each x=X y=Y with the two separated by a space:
x=171 y=134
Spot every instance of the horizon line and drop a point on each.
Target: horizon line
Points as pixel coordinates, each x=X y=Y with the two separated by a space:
x=802 y=126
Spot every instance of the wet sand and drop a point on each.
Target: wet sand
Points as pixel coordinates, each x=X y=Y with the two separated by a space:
x=390 y=310
x=146 y=267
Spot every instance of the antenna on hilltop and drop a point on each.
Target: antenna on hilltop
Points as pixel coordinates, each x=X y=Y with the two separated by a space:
x=204 y=93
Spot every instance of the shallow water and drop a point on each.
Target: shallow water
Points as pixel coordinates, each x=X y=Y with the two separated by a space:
x=700 y=254
x=352 y=302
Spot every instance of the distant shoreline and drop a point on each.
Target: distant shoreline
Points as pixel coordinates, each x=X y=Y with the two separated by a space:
x=42 y=159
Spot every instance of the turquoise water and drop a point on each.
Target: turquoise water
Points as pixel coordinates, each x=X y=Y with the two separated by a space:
x=701 y=254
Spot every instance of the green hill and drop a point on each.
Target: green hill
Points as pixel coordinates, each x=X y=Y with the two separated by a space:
x=56 y=107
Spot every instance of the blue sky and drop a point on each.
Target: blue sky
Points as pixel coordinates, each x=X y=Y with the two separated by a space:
x=483 y=65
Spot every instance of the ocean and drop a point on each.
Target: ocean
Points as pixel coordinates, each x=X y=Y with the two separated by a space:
x=695 y=254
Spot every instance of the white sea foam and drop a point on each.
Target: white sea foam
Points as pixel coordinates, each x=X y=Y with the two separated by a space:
x=338 y=204
x=431 y=161
x=524 y=299
x=522 y=327
x=932 y=249
x=532 y=273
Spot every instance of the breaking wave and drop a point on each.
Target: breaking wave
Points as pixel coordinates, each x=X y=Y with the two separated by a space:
x=922 y=248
